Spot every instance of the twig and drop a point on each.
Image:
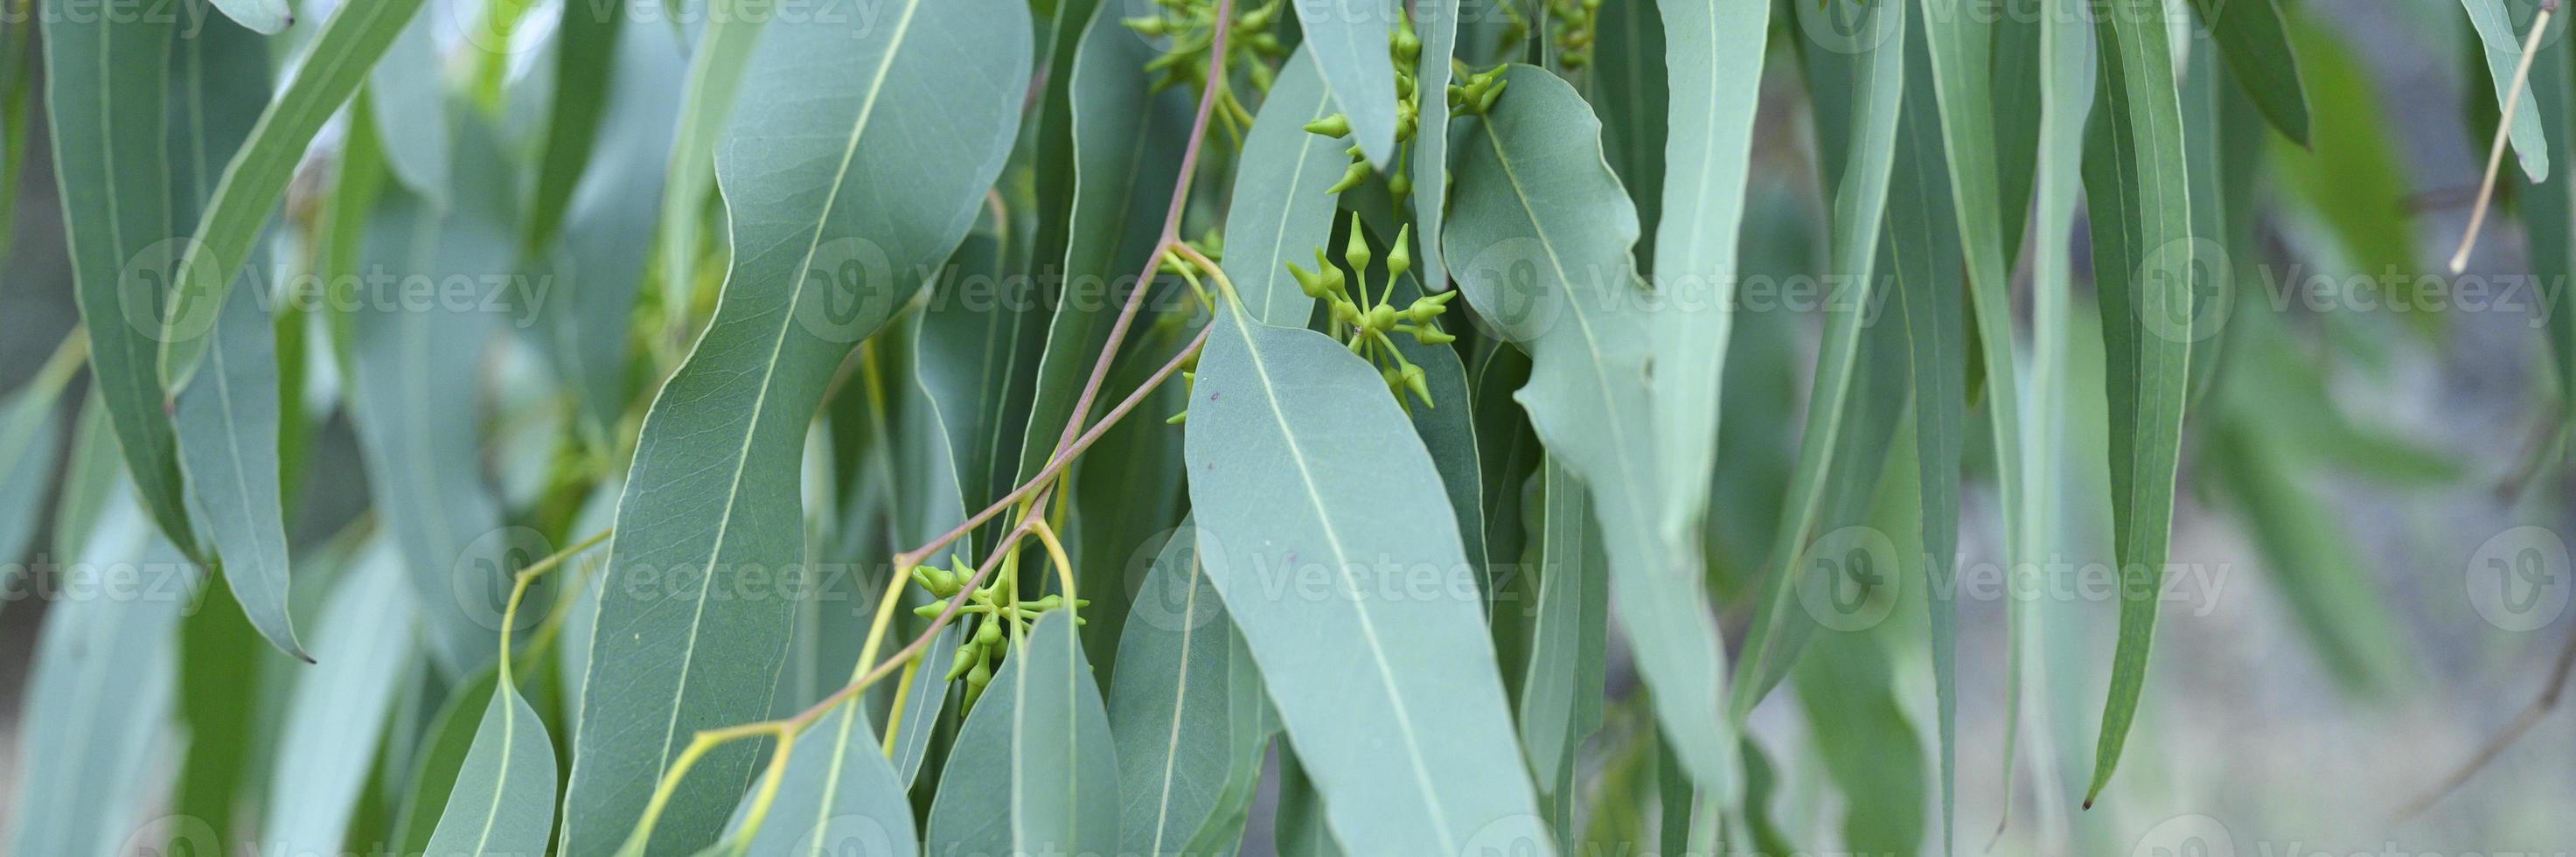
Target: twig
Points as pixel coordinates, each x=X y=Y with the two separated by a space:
x=2522 y=723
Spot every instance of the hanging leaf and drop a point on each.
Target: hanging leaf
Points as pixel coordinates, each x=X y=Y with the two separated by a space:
x=706 y=105
x=1437 y=23
x=2251 y=38
x=2497 y=29
x=1280 y=212
x=1349 y=42
x=1548 y=268
x=504 y=801
x=1715 y=54
x=1034 y=771
x=825 y=253
x=410 y=110
x=337 y=715
x=1172 y=709
x=2145 y=256
x=1305 y=475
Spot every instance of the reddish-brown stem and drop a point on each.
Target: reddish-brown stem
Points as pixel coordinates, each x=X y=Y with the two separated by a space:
x=1064 y=456
x=1171 y=234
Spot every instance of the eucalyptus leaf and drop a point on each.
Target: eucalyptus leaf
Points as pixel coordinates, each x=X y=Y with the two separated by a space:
x=1548 y=266
x=1321 y=525
x=1349 y=41
x=337 y=716
x=1171 y=705
x=1279 y=213
x=1035 y=771
x=2496 y=29
x=838 y=795
x=825 y=253
x=504 y=801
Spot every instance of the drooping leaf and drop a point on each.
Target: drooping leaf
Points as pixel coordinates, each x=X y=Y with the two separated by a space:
x=826 y=250
x=1715 y=54
x=31 y=446
x=1349 y=43
x=2355 y=178
x=1872 y=70
x=586 y=66
x=1561 y=698
x=1279 y=212
x=2496 y=28
x=1299 y=829
x=98 y=697
x=1034 y=770
x=838 y=795
x=608 y=226
x=416 y=424
x=723 y=52
x=1323 y=526
x=1171 y=708
x=448 y=736
x=1632 y=91
x=2144 y=254
x=336 y=717
x=1848 y=684
x=2250 y=37
x=348 y=45
x=1437 y=24
x=1547 y=264
x=504 y=800
x=107 y=81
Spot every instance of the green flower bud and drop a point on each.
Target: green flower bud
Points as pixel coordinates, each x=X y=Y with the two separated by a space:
x=1399 y=184
x=1414 y=380
x=1148 y=25
x=1356 y=176
x=1430 y=335
x=967 y=657
x=1399 y=259
x=1381 y=317
x=1336 y=125
x=988 y=633
x=1356 y=250
x=1311 y=284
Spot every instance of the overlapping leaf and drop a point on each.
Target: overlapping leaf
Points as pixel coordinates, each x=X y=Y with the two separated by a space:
x=1035 y=771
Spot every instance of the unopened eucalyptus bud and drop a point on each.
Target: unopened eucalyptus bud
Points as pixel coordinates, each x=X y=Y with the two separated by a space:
x=1336 y=125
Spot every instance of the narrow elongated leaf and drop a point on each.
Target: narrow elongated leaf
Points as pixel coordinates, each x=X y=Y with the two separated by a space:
x=1034 y=770
x=1868 y=132
x=2549 y=210
x=706 y=104
x=1171 y=706
x=1324 y=528
x=1126 y=142
x=2503 y=42
x=417 y=427
x=2143 y=263
x=1280 y=212
x=1299 y=830
x=609 y=226
x=98 y=697
x=1548 y=263
x=586 y=37
x=31 y=446
x=446 y=740
x=2251 y=38
x=1436 y=22
x=1632 y=91
x=504 y=801
x=1853 y=703
x=107 y=79
x=1349 y=41
x=833 y=113
x=1714 y=51
x=1561 y=699
x=337 y=714
x=1924 y=253
x=1447 y=426
x=348 y=45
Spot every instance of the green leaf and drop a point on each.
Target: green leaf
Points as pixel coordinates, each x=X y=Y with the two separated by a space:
x=1034 y=770
x=1548 y=266
x=1349 y=43
x=974 y=361
x=706 y=104
x=409 y=108
x=1279 y=212
x=608 y=230
x=31 y=446
x=266 y=17
x=348 y=45
x=824 y=256
x=1323 y=526
x=447 y=739
x=2144 y=253
x=1629 y=87
x=1848 y=685
x=1171 y=707
x=228 y=433
x=1923 y=249
x=219 y=655
x=1561 y=698
x=2549 y=210
x=504 y=800
x=2250 y=37
x=107 y=79
x=98 y=699
x=1865 y=136
x=2354 y=179
x=337 y=715
x=1447 y=427
x=1436 y=22
x=1715 y=53
x=1126 y=143
x=417 y=428
x=1299 y=830
x=838 y=796
x=586 y=37
x=2496 y=29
